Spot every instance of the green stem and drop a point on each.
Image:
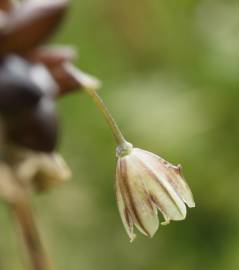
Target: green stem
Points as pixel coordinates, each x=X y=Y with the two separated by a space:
x=90 y=86
x=108 y=117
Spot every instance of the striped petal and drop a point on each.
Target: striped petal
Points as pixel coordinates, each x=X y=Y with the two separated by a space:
x=124 y=212
x=143 y=211
x=173 y=175
x=162 y=192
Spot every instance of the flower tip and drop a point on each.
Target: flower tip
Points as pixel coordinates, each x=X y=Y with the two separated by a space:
x=190 y=201
x=165 y=222
x=151 y=235
x=191 y=204
x=179 y=168
x=132 y=238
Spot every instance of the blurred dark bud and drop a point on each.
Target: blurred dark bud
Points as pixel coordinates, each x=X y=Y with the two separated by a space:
x=35 y=128
x=42 y=78
x=31 y=81
x=17 y=90
x=6 y=5
x=30 y=24
x=52 y=56
x=64 y=80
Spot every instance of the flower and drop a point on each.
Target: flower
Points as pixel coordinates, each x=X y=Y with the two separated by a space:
x=146 y=183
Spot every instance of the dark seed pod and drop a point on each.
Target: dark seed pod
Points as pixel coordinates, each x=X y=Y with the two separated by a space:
x=42 y=79
x=17 y=90
x=36 y=128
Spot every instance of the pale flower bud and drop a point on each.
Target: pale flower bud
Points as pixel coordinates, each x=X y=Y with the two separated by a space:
x=146 y=183
x=43 y=171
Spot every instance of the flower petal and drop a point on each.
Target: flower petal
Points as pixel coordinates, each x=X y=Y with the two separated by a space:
x=162 y=192
x=174 y=177
x=181 y=185
x=124 y=212
x=141 y=207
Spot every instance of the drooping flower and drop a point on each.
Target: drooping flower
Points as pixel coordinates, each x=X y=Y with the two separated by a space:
x=146 y=183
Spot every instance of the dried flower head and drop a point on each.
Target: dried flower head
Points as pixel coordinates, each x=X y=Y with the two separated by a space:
x=146 y=183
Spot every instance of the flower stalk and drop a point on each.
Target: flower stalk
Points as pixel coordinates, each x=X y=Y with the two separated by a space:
x=90 y=86
x=35 y=252
x=119 y=138
x=145 y=183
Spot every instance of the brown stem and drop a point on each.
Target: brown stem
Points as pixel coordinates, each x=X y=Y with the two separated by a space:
x=29 y=233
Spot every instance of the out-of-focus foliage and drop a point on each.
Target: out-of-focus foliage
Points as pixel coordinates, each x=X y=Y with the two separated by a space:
x=170 y=72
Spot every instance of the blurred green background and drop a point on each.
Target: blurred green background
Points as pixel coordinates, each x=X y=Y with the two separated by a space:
x=170 y=73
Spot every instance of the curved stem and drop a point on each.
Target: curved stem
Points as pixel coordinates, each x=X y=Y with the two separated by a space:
x=25 y=219
x=89 y=85
x=109 y=119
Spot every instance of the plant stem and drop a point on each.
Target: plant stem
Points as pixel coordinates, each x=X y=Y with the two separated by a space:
x=89 y=85
x=109 y=119
x=23 y=213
